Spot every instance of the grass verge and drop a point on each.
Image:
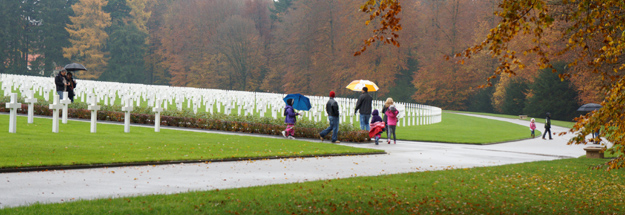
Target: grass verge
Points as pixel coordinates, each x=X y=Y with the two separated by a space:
x=541 y=120
x=35 y=145
x=456 y=128
x=553 y=187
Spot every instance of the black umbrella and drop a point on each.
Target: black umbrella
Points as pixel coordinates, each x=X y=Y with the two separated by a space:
x=74 y=67
x=589 y=107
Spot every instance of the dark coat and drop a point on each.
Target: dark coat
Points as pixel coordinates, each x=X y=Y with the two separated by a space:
x=290 y=115
x=384 y=109
x=58 y=81
x=375 y=117
x=364 y=104
x=70 y=88
x=548 y=122
x=332 y=108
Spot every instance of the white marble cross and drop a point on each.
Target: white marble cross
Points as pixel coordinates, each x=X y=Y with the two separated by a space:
x=157 y=116
x=93 y=107
x=128 y=108
x=55 y=113
x=65 y=101
x=31 y=100
x=13 y=105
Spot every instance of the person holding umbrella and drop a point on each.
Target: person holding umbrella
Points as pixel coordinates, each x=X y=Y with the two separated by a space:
x=290 y=119
x=332 y=108
x=61 y=83
x=71 y=85
x=364 y=105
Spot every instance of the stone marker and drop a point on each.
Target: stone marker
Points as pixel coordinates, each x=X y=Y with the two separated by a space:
x=13 y=105
x=93 y=107
x=55 y=113
x=594 y=152
x=128 y=108
x=65 y=101
x=31 y=100
x=157 y=117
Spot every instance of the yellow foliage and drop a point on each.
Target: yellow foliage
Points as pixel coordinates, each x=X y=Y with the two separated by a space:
x=88 y=37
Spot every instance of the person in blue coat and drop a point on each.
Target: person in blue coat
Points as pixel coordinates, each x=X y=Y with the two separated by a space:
x=290 y=120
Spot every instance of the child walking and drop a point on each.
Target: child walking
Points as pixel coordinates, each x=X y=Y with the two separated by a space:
x=290 y=120
x=533 y=127
x=391 y=113
x=377 y=126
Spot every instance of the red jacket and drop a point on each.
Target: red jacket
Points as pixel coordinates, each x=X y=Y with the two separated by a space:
x=376 y=128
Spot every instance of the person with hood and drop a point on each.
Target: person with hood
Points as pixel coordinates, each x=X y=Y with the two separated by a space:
x=61 y=83
x=377 y=126
x=548 y=126
x=290 y=119
x=364 y=105
x=71 y=86
x=392 y=122
x=332 y=108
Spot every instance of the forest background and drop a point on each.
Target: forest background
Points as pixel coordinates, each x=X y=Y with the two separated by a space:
x=287 y=46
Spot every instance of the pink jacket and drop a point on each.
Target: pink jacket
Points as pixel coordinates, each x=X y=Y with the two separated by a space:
x=392 y=117
x=532 y=126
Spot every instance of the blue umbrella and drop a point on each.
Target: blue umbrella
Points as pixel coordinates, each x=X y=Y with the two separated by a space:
x=300 y=102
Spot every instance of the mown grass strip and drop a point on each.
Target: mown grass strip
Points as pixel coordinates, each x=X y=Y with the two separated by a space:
x=547 y=187
x=456 y=128
x=35 y=145
x=560 y=123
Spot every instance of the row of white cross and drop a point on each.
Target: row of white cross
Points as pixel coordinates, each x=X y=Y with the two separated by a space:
x=222 y=101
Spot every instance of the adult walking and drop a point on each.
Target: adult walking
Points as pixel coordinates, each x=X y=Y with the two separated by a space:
x=332 y=109
x=71 y=85
x=61 y=83
x=364 y=105
x=548 y=126
x=387 y=104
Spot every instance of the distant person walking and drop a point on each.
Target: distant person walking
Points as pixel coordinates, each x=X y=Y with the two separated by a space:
x=61 y=83
x=332 y=109
x=364 y=105
x=548 y=126
x=388 y=103
x=71 y=85
x=533 y=127
x=290 y=120
x=392 y=122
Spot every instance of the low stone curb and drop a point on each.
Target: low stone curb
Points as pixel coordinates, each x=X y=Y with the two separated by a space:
x=152 y=163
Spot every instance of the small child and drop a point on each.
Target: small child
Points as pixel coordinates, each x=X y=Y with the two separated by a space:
x=377 y=126
x=533 y=127
x=290 y=120
x=391 y=113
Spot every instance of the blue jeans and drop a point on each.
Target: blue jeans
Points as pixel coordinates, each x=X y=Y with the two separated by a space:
x=60 y=94
x=364 y=121
x=334 y=127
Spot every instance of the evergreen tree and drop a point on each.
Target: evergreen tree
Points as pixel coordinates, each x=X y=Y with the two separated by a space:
x=482 y=101
x=514 y=99
x=550 y=94
x=52 y=34
x=126 y=44
x=404 y=89
x=127 y=47
x=279 y=9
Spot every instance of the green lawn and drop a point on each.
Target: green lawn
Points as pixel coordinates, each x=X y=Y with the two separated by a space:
x=36 y=145
x=540 y=120
x=456 y=128
x=547 y=187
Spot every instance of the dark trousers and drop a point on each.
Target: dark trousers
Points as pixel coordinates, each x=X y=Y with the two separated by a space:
x=334 y=127
x=547 y=131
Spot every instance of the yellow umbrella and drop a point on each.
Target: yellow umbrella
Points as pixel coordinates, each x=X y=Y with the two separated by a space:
x=357 y=85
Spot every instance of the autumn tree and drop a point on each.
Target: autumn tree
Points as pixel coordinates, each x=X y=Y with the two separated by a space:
x=593 y=32
x=88 y=37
